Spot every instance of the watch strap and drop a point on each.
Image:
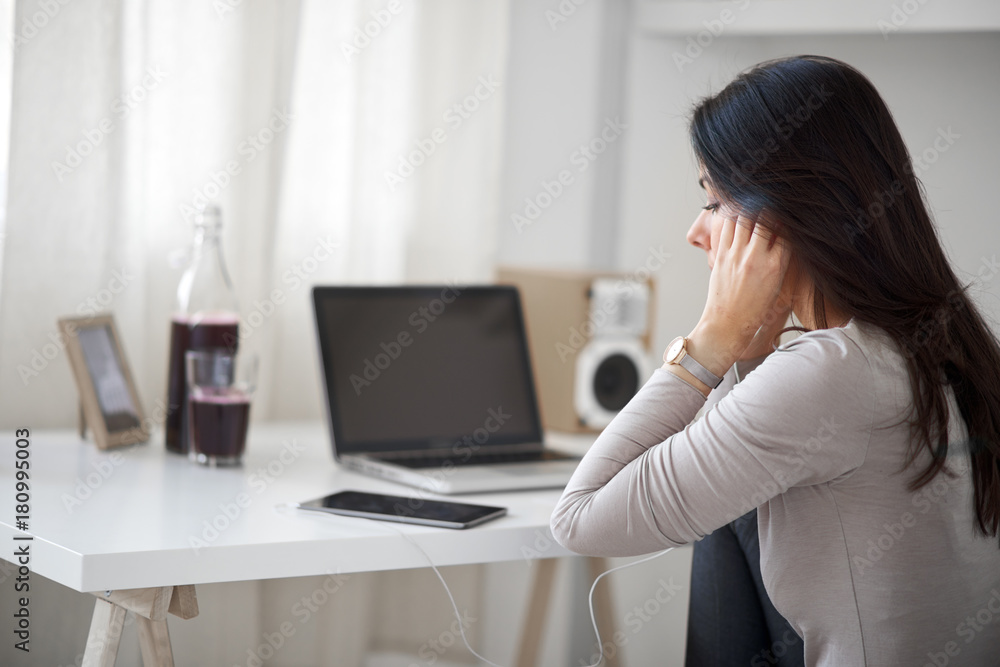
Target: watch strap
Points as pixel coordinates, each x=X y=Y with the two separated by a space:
x=694 y=368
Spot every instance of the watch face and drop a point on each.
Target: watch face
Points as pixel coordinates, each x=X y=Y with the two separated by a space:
x=674 y=350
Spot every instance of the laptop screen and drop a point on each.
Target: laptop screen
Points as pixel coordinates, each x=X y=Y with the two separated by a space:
x=412 y=368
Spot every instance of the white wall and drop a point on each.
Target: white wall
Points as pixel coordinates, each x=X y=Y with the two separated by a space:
x=560 y=70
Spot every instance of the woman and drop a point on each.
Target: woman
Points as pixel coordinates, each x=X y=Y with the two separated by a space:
x=870 y=445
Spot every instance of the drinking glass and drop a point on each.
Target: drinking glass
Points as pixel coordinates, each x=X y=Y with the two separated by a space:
x=220 y=386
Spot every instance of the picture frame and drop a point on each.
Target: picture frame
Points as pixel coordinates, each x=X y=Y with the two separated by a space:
x=109 y=400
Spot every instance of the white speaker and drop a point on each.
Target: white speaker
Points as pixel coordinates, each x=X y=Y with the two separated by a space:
x=590 y=336
x=614 y=363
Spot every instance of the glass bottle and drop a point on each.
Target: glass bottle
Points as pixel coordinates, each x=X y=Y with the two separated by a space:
x=206 y=317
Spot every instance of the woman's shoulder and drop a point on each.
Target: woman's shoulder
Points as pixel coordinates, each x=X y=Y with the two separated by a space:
x=854 y=340
x=820 y=380
x=841 y=361
x=852 y=364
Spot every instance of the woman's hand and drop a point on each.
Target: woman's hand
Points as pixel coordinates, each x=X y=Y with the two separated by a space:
x=743 y=291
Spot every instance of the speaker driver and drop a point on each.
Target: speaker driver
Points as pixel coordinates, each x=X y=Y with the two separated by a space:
x=609 y=372
x=615 y=382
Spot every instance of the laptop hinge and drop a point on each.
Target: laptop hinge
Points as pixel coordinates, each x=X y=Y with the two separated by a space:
x=460 y=451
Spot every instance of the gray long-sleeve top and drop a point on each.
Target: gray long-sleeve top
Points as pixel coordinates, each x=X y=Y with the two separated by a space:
x=866 y=571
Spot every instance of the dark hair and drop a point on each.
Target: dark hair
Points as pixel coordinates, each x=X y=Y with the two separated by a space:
x=810 y=140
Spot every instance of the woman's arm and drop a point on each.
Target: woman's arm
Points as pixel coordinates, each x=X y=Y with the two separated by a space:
x=739 y=371
x=652 y=479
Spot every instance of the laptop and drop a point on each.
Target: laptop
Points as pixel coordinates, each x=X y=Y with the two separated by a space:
x=431 y=386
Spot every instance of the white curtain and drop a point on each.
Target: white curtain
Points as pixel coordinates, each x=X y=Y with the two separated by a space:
x=328 y=132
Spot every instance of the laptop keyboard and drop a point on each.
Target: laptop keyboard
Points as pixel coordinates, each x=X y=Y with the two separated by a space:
x=481 y=459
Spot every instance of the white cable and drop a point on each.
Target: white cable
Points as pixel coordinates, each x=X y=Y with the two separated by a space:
x=458 y=616
x=454 y=606
x=593 y=619
x=281 y=507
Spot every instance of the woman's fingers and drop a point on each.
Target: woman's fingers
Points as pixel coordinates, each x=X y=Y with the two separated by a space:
x=762 y=238
x=742 y=237
x=744 y=230
x=748 y=233
x=726 y=235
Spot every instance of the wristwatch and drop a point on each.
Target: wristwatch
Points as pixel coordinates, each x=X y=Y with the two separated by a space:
x=676 y=353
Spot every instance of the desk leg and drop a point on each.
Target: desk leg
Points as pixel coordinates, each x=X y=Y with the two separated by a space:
x=534 y=622
x=105 y=635
x=154 y=640
x=151 y=606
x=538 y=607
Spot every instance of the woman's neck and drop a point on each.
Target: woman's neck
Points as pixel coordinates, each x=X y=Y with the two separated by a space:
x=802 y=308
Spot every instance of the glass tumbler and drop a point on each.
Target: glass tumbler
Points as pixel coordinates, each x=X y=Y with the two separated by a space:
x=220 y=387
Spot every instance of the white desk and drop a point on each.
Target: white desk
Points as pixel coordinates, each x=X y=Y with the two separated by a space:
x=129 y=519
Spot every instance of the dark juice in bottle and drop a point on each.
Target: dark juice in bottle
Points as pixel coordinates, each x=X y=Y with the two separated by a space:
x=219 y=331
